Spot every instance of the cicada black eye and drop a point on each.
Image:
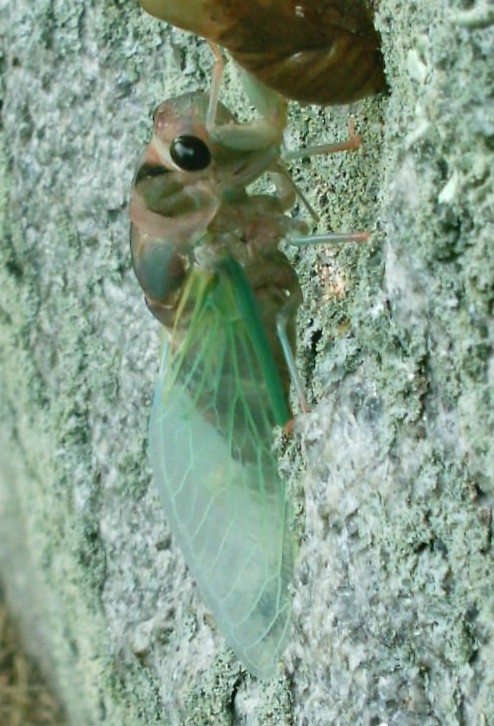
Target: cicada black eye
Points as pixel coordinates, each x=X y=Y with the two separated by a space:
x=190 y=153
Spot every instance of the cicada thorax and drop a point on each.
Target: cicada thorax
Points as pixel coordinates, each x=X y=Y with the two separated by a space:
x=313 y=51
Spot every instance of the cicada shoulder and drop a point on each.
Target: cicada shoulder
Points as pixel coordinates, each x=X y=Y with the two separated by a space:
x=205 y=253
x=313 y=51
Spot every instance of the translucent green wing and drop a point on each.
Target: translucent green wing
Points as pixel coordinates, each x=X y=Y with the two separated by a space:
x=217 y=400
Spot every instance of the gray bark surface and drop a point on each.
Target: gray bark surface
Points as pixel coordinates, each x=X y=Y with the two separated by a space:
x=392 y=472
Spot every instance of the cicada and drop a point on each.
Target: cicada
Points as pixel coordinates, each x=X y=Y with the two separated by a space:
x=205 y=252
x=313 y=51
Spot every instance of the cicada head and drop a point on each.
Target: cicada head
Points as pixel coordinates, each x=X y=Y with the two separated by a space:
x=174 y=196
x=179 y=180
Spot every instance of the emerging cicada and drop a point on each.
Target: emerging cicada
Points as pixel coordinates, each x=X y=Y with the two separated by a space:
x=313 y=51
x=205 y=252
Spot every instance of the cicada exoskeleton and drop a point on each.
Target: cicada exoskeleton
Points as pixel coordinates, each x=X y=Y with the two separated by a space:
x=313 y=51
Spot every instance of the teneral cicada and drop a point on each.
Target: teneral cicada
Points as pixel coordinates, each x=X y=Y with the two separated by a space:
x=205 y=252
x=313 y=51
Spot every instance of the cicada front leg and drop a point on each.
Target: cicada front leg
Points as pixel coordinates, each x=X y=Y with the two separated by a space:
x=265 y=132
x=265 y=136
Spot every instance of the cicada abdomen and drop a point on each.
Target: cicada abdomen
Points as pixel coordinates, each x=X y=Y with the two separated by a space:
x=313 y=51
x=205 y=253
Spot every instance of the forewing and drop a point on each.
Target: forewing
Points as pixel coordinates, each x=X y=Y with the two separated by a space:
x=214 y=410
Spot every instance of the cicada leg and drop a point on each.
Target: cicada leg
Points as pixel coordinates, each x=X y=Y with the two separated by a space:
x=350 y=144
x=263 y=133
x=287 y=190
x=268 y=130
x=282 y=321
x=289 y=309
x=214 y=92
x=333 y=238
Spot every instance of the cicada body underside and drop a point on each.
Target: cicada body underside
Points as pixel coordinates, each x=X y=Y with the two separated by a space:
x=313 y=51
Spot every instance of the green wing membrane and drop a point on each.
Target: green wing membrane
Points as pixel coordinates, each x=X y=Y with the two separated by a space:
x=217 y=399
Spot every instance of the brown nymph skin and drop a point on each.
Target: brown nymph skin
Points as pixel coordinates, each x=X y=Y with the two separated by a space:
x=312 y=51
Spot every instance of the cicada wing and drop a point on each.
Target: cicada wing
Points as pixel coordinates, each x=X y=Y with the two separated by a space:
x=210 y=446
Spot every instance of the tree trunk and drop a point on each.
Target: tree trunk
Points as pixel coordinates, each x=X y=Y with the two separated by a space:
x=392 y=471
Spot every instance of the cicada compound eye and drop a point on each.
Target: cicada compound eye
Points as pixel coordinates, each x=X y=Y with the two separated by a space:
x=190 y=153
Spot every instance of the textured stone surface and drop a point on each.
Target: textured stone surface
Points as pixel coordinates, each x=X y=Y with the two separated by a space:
x=393 y=474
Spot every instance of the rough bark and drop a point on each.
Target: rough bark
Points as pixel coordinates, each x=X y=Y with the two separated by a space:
x=393 y=472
